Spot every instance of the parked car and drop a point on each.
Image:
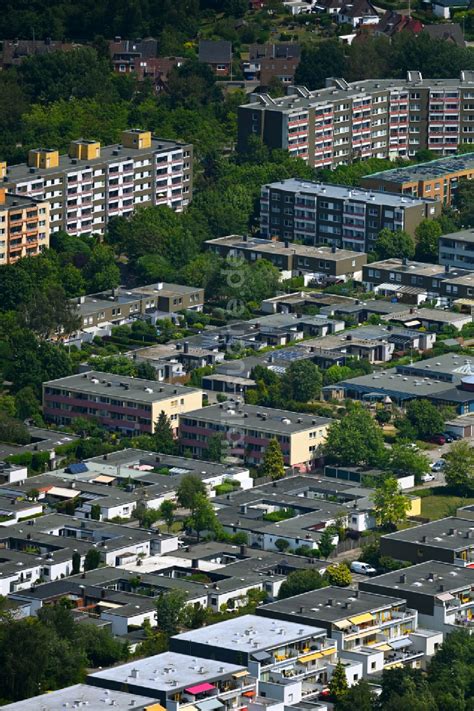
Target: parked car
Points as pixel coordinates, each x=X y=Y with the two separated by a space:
x=427 y=477
x=357 y=566
x=456 y=436
x=438 y=439
x=438 y=466
x=324 y=694
x=448 y=437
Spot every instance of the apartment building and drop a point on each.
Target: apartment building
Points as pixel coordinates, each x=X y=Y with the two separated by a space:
x=294 y=259
x=457 y=249
x=351 y=218
x=91 y=184
x=437 y=179
x=83 y=695
x=442 y=593
x=449 y=540
x=129 y=405
x=417 y=281
x=382 y=118
x=24 y=226
x=248 y=430
x=378 y=631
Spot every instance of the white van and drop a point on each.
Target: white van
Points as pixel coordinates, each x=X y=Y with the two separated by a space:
x=363 y=568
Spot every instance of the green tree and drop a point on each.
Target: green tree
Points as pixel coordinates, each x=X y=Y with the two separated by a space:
x=459 y=469
x=282 y=544
x=301 y=581
x=339 y=574
x=273 y=464
x=319 y=61
x=26 y=403
x=338 y=686
x=170 y=607
x=95 y=512
x=76 y=563
x=13 y=431
x=215 y=449
x=92 y=559
x=406 y=461
x=203 y=517
x=167 y=512
x=390 y=505
x=355 y=440
x=325 y=543
x=359 y=697
x=425 y=418
x=190 y=487
x=336 y=373
x=302 y=381
x=427 y=235
x=394 y=244
x=163 y=435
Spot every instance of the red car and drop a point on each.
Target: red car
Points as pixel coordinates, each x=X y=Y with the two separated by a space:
x=438 y=439
x=324 y=694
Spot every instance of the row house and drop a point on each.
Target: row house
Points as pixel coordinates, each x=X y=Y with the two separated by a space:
x=382 y=118
x=350 y=218
x=90 y=185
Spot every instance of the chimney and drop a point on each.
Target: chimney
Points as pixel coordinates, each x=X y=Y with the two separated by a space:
x=287 y=243
x=243 y=508
x=452 y=532
x=243 y=550
x=134 y=673
x=441 y=588
x=333 y=248
x=403 y=578
x=447 y=269
x=431 y=576
x=301 y=609
x=330 y=602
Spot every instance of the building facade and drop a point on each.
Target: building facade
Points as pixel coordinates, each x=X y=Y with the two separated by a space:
x=437 y=179
x=375 y=118
x=248 y=430
x=121 y=403
x=457 y=249
x=91 y=184
x=351 y=218
x=24 y=226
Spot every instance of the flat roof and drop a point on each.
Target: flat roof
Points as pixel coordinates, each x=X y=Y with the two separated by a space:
x=250 y=633
x=390 y=382
x=267 y=419
x=157 y=672
x=347 y=192
x=419 y=268
x=138 y=389
x=447 y=533
x=426 y=171
x=428 y=315
x=426 y=578
x=329 y=604
x=108 y=154
x=447 y=364
x=462 y=235
x=269 y=246
x=89 y=696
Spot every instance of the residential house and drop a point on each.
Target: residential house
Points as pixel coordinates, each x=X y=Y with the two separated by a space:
x=448 y=540
x=358 y=13
x=217 y=55
x=24 y=225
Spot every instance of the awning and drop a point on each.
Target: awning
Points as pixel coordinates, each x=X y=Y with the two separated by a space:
x=110 y=605
x=400 y=643
x=209 y=705
x=360 y=619
x=249 y=694
x=244 y=672
x=63 y=493
x=413 y=323
x=200 y=688
x=309 y=657
x=445 y=597
x=342 y=624
x=261 y=656
x=327 y=652
x=383 y=648
x=103 y=479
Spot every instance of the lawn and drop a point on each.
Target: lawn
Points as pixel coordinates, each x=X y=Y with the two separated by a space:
x=434 y=506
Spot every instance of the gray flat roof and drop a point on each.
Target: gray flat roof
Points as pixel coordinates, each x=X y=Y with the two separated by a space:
x=418 y=268
x=236 y=414
x=94 y=698
x=137 y=388
x=448 y=533
x=426 y=578
x=428 y=315
x=329 y=604
x=268 y=246
x=250 y=633
x=157 y=672
x=347 y=192
x=390 y=381
x=113 y=153
x=462 y=235
x=427 y=171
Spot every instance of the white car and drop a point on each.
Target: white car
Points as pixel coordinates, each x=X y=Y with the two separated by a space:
x=427 y=477
x=358 y=566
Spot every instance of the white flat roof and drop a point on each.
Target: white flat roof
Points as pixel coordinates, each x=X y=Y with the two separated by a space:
x=95 y=699
x=251 y=633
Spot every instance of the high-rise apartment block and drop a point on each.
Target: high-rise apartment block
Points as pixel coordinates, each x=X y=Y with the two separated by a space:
x=24 y=226
x=382 y=118
x=92 y=184
x=351 y=218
